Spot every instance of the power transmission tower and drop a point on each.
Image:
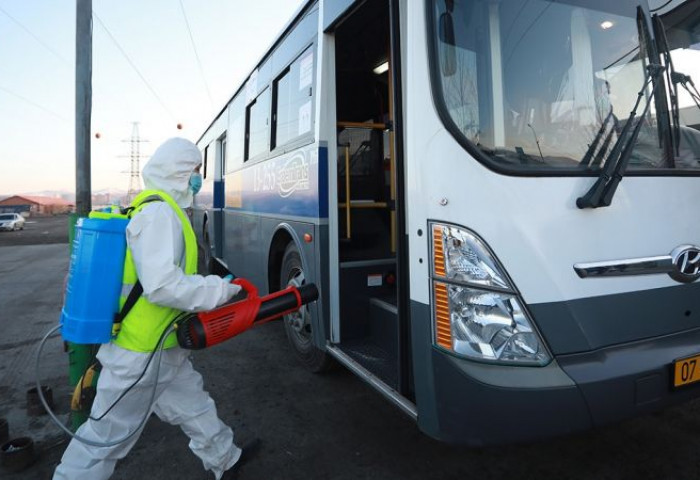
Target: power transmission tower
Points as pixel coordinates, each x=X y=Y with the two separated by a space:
x=135 y=156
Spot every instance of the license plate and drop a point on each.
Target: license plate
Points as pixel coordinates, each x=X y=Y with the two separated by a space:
x=686 y=370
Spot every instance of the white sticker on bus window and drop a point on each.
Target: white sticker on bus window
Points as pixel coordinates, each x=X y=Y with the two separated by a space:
x=374 y=280
x=251 y=88
x=306 y=71
x=305 y=118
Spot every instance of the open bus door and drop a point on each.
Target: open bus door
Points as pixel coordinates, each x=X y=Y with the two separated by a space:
x=370 y=332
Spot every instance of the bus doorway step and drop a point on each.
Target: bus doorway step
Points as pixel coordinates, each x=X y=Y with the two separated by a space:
x=374 y=359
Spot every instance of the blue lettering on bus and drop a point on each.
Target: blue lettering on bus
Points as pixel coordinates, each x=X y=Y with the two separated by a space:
x=295 y=184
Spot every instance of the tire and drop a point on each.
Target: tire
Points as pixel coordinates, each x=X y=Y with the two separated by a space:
x=298 y=325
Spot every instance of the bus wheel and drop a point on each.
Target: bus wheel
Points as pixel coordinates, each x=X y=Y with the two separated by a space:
x=298 y=324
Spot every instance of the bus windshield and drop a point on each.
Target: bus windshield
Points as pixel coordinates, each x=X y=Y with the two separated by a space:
x=548 y=86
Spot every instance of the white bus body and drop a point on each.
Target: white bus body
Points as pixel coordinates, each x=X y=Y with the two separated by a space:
x=500 y=251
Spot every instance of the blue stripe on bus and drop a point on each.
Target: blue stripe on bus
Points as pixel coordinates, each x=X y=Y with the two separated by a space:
x=218 y=194
x=294 y=185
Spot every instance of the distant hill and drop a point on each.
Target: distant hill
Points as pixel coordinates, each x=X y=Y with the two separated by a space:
x=99 y=197
x=65 y=195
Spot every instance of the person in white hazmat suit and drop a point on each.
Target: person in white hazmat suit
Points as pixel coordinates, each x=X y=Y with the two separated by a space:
x=156 y=240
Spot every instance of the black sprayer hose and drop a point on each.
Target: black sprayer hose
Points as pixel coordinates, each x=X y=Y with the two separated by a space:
x=86 y=441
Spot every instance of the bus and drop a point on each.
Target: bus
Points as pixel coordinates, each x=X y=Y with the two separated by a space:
x=496 y=200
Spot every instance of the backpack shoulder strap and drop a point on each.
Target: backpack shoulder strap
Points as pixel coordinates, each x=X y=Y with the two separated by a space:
x=137 y=289
x=131 y=300
x=138 y=202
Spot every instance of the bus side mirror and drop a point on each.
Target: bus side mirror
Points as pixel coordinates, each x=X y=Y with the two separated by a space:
x=446 y=34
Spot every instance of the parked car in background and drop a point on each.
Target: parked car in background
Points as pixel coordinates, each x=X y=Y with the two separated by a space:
x=11 y=221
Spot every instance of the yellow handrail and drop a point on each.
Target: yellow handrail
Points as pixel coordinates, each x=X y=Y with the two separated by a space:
x=348 y=204
x=362 y=204
x=371 y=126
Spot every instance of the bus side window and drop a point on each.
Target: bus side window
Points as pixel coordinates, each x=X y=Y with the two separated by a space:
x=222 y=150
x=293 y=100
x=235 y=135
x=206 y=152
x=256 y=122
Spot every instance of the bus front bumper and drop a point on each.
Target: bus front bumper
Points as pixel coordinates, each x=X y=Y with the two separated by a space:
x=633 y=379
x=481 y=404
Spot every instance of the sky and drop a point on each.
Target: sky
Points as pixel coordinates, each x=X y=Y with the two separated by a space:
x=148 y=67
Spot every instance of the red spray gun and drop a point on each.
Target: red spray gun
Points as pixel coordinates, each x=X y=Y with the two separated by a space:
x=204 y=329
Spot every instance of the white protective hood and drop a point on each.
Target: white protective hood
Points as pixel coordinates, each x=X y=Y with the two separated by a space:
x=170 y=167
x=154 y=236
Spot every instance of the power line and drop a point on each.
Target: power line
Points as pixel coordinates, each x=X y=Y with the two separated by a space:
x=162 y=104
x=515 y=19
x=634 y=49
x=45 y=45
x=33 y=103
x=527 y=30
x=66 y=62
x=41 y=42
x=659 y=8
x=194 y=47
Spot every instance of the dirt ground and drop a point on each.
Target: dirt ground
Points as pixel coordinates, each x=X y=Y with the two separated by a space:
x=38 y=231
x=318 y=426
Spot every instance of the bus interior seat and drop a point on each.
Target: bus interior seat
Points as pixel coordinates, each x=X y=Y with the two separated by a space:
x=364 y=148
x=370 y=234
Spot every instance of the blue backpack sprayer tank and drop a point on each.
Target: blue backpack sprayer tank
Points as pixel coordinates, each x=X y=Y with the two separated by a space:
x=92 y=297
x=94 y=279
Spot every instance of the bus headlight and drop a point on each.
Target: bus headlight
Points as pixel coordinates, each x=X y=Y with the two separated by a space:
x=478 y=313
x=467 y=259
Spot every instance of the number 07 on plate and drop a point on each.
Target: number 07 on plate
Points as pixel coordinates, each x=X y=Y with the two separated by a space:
x=686 y=370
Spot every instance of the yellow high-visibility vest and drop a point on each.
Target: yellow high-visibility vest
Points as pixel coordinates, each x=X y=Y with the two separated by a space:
x=145 y=323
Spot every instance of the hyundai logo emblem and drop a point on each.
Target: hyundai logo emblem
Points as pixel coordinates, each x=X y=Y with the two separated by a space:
x=686 y=263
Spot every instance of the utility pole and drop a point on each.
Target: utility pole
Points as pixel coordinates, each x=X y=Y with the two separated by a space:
x=80 y=356
x=83 y=105
x=135 y=156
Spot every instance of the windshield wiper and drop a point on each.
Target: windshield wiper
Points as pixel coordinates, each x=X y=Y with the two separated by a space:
x=665 y=53
x=601 y=153
x=602 y=191
x=684 y=80
x=586 y=160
